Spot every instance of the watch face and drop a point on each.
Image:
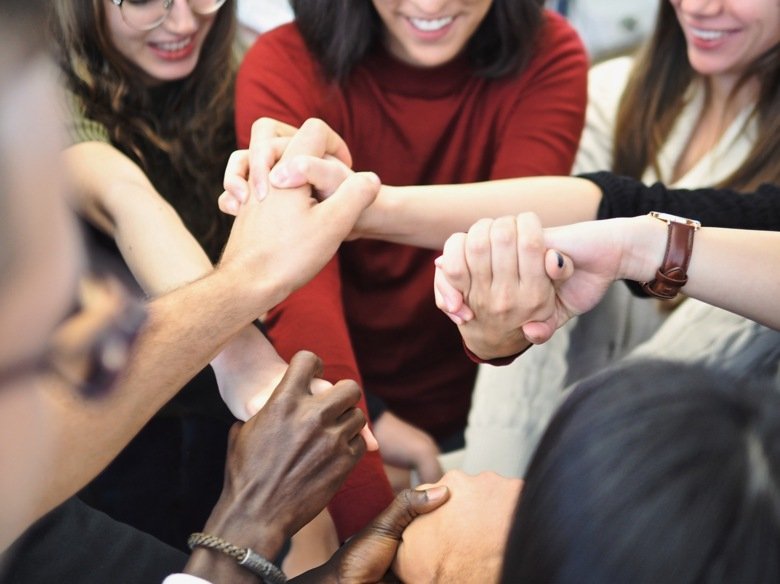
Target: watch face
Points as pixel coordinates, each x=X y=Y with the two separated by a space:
x=667 y=218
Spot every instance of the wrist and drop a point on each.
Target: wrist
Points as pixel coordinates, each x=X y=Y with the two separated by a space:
x=258 y=293
x=375 y=221
x=643 y=248
x=230 y=521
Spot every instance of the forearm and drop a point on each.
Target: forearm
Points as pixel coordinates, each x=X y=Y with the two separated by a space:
x=426 y=216
x=732 y=269
x=184 y=330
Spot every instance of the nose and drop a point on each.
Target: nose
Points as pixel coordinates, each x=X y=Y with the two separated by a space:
x=701 y=7
x=431 y=7
x=181 y=19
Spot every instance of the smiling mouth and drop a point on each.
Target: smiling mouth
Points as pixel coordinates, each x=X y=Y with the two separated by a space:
x=174 y=46
x=431 y=25
x=709 y=35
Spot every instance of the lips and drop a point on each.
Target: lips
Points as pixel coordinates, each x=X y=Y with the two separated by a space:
x=709 y=35
x=174 y=50
x=431 y=24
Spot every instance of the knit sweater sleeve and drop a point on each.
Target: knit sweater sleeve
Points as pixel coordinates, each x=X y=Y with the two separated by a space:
x=541 y=135
x=626 y=197
x=278 y=79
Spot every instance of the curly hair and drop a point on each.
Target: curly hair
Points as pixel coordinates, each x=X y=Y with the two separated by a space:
x=655 y=95
x=339 y=33
x=180 y=133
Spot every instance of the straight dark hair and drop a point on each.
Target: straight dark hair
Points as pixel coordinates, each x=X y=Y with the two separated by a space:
x=655 y=96
x=340 y=33
x=654 y=472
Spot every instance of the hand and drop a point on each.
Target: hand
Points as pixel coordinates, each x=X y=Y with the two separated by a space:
x=269 y=141
x=368 y=556
x=406 y=446
x=287 y=462
x=464 y=540
x=497 y=283
x=283 y=241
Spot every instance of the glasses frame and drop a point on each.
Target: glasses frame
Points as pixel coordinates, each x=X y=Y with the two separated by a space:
x=167 y=5
x=107 y=354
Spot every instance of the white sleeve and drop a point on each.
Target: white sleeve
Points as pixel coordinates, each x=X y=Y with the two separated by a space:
x=184 y=579
x=606 y=83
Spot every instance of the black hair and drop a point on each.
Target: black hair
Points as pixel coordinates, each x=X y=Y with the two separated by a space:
x=340 y=33
x=653 y=472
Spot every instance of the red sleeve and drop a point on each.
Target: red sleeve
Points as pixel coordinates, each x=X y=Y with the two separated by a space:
x=543 y=132
x=272 y=82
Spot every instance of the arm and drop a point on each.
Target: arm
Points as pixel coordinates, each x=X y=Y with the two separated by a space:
x=278 y=79
x=501 y=317
x=114 y=194
x=188 y=326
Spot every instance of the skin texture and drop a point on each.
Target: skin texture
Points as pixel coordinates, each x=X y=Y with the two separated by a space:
x=456 y=543
x=429 y=49
x=594 y=254
x=752 y=27
x=147 y=48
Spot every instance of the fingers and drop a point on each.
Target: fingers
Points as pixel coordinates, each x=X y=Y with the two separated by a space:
x=406 y=506
x=325 y=175
x=530 y=246
x=449 y=299
x=316 y=138
x=478 y=254
x=455 y=268
x=339 y=213
x=503 y=255
x=558 y=266
x=264 y=151
x=303 y=368
x=236 y=182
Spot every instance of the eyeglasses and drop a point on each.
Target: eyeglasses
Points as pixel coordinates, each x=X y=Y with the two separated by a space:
x=91 y=347
x=149 y=14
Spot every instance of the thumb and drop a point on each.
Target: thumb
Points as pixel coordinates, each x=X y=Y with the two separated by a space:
x=406 y=506
x=342 y=209
x=559 y=267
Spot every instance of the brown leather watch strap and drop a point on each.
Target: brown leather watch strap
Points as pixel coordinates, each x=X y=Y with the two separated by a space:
x=673 y=273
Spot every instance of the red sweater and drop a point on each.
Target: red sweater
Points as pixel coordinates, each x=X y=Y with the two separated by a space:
x=410 y=126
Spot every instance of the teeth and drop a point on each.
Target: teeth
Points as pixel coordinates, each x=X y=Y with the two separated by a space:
x=708 y=35
x=177 y=46
x=427 y=25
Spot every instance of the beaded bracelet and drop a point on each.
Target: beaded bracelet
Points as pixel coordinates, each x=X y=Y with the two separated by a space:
x=245 y=557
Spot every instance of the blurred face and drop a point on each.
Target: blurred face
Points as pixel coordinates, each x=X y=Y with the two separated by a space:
x=725 y=36
x=429 y=33
x=37 y=285
x=169 y=51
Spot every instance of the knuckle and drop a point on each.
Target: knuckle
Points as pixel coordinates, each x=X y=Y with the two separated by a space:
x=530 y=242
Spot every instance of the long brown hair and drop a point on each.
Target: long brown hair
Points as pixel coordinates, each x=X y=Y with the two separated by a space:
x=654 y=98
x=180 y=133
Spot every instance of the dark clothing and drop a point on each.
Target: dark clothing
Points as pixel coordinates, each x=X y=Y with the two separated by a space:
x=627 y=197
x=76 y=544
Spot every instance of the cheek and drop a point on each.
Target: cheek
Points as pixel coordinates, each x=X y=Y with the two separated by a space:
x=23 y=458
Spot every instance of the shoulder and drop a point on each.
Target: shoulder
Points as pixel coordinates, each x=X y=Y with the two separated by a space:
x=558 y=36
x=79 y=127
x=284 y=41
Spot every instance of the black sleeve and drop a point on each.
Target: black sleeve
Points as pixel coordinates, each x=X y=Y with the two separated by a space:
x=375 y=405
x=75 y=543
x=626 y=197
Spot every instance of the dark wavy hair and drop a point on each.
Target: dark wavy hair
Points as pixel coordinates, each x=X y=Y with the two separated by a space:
x=340 y=33
x=655 y=96
x=654 y=472
x=180 y=133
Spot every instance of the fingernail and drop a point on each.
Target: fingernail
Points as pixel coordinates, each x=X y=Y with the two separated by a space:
x=232 y=207
x=261 y=189
x=560 y=259
x=455 y=318
x=373 y=178
x=439 y=261
x=279 y=176
x=436 y=493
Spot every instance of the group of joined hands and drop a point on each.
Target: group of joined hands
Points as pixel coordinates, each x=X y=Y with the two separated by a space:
x=506 y=284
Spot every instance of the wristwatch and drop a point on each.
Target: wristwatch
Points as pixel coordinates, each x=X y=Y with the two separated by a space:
x=673 y=272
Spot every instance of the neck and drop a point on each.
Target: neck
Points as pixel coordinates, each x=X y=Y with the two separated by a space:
x=727 y=98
